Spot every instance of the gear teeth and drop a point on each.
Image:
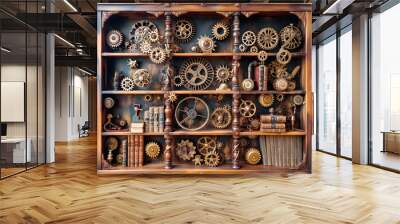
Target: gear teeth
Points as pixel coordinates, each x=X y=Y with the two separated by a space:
x=152 y=150
x=212 y=159
x=220 y=26
x=184 y=30
x=115 y=39
x=206 y=44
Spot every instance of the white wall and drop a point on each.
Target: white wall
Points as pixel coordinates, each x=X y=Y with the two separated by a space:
x=71 y=102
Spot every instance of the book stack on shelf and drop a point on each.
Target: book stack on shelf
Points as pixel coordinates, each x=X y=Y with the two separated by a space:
x=211 y=89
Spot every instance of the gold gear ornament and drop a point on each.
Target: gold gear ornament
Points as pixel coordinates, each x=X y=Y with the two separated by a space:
x=141 y=77
x=184 y=30
x=114 y=39
x=198 y=73
x=247 y=108
x=206 y=145
x=283 y=56
x=185 y=150
x=206 y=44
x=220 y=31
x=266 y=100
x=172 y=97
x=158 y=55
x=253 y=156
x=212 y=159
x=267 y=38
x=291 y=37
x=223 y=74
x=249 y=38
x=152 y=150
x=221 y=117
x=127 y=84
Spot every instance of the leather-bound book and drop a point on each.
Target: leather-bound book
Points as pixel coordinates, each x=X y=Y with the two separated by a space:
x=141 y=150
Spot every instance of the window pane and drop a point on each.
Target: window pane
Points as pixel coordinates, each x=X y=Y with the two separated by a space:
x=346 y=94
x=327 y=96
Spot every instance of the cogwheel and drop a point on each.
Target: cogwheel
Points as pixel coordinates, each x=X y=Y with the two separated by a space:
x=141 y=77
x=253 y=49
x=247 y=108
x=242 y=48
x=141 y=31
x=198 y=73
x=249 y=38
x=179 y=80
x=114 y=39
x=220 y=31
x=283 y=56
x=127 y=84
x=206 y=44
x=291 y=86
x=212 y=159
x=298 y=100
x=184 y=30
x=147 y=98
x=172 y=97
x=153 y=36
x=266 y=100
x=227 y=107
x=185 y=150
x=262 y=56
x=145 y=47
x=267 y=38
x=253 y=156
x=275 y=68
x=222 y=73
x=152 y=150
x=221 y=117
x=158 y=55
x=206 y=145
x=279 y=97
x=291 y=37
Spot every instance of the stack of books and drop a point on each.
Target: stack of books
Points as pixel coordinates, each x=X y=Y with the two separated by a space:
x=137 y=127
x=273 y=123
x=135 y=150
x=154 y=119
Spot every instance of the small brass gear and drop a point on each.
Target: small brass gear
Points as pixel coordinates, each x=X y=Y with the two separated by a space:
x=127 y=84
x=280 y=84
x=147 y=98
x=158 y=55
x=221 y=117
x=179 y=80
x=247 y=108
x=280 y=97
x=206 y=44
x=172 y=97
x=152 y=150
x=184 y=30
x=153 y=36
x=291 y=86
x=275 y=68
x=249 y=38
x=267 y=38
x=262 y=56
x=242 y=48
x=253 y=156
x=206 y=144
x=266 y=100
x=212 y=159
x=298 y=100
x=114 y=39
x=253 y=49
x=141 y=77
x=220 y=31
x=222 y=73
x=145 y=47
x=185 y=150
x=291 y=37
x=283 y=56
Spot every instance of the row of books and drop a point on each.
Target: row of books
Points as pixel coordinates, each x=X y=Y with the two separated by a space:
x=154 y=119
x=135 y=150
x=281 y=151
x=273 y=123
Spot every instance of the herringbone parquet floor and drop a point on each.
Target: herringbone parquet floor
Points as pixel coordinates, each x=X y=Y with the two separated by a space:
x=71 y=192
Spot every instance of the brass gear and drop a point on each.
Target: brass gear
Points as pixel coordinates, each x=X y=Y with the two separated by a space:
x=198 y=73
x=266 y=100
x=220 y=31
x=291 y=37
x=179 y=80
x=147 y=98
x=253 y=49
x=223 y=74
x=127 y=84
x=185 y=150
x=249 y=38
x=114 y=39
x=267 y=38
x=141 y=31
x=280 y=97
x=247 y=108
x=205 y=145
x=192 y=113
x=262 y=56
x=145 y=47
x=275 y=68
x=280 y=84
x=291 y=86
x=221 y=117
x=242 y=48
x=152 y=150
x=283 y=56
x=153 y=36
x=172 y=97
x=206 y=44
x=298 y=100
x=158 y=55
x=212 y=159
x=141 y=77
x=184 y=30
x=253 y=156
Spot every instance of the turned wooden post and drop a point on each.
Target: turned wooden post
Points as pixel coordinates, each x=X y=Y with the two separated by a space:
x=169 y=146
x=236 y=93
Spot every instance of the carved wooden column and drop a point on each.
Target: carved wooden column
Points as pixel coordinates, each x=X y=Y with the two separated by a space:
x=236 y=93
x=169 y=146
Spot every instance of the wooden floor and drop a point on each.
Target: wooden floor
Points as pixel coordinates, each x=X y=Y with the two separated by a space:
x=71 y=192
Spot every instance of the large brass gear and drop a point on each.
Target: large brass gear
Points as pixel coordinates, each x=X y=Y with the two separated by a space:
x=198 y=73
x=152 y=150
x=184 y=30
x=220 y=30
x=206 y=44
x=141 y=77
x=127 y=84
x=114 y=39
x=249 y=38
x=158 y=55
x=221 y=117
x=141 y=31
x=223 y=74
x=192 y=113
x=267 y=38
x=253 y=156
x=185 y=150
x=212 y=159
x=291 y=37
x=205 y=145
x=247 y=108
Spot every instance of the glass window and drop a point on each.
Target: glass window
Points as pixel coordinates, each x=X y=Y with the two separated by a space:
x=346 y=93
x=326 y=120
x=385 y=89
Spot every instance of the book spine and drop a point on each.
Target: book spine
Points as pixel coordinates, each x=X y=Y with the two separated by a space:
x=123 y=149
x=141 y=150
x=155 y=118
x=146 y=120
x=273 y=125
x=130 y=151
x=151 y=119
x=260 y=75
x=265 y=81
x=273 y=129
x=272 y=119
x=161 y=119
x=136 y=146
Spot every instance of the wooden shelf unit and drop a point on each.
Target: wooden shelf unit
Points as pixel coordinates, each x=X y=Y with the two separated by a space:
x=235 y=12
